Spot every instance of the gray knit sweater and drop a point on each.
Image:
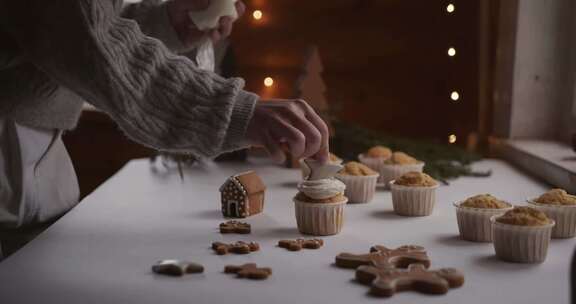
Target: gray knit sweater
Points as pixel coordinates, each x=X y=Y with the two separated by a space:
x=55 y=53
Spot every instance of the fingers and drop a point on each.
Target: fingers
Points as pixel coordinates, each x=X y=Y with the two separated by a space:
x=284 y=131
x=214 y=35
x=240 y=8
x=322 y=153
x=225 y=27
x=312 y=137
x=273 y=148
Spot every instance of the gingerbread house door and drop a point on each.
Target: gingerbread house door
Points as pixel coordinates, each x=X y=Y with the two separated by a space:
x=233 y=208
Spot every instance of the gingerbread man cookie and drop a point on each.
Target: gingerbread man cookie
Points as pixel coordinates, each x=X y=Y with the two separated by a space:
x=384 y=257
x=235 y=227
x=238 y=247
x=298 y=244
x=249 y=271
x=176 y=268
x=387 y=281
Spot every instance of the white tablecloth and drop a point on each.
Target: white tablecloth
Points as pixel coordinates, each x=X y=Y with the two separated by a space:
x=101 y=252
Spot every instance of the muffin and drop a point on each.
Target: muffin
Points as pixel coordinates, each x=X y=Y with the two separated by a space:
x=305 y=170
x=374 y=158
x=474 y=213
x=398 y=164
x=522 y=235
x=414 y=194
x=360 y=182
x=320 y=206
x=561 y=207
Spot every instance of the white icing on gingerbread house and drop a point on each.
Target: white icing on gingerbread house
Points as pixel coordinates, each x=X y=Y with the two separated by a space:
x=242 y=195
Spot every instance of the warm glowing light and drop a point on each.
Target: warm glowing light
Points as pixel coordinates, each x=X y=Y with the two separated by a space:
x=452 y=138
x=268 y=81
x=257 y=14
x=451 y=52
x=450 y=8
x=455 y=96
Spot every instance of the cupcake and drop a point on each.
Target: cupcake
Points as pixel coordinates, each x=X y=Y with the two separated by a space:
x=522 y=235
x=414 y=194
x=561 y=207
x=374 y=158
x=398 y=164
x=360 y=182
x=332 y=160
x=474 y=215
x=320 y=204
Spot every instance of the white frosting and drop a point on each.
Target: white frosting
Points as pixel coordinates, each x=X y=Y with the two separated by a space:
x=208 y=18
x=322 y=188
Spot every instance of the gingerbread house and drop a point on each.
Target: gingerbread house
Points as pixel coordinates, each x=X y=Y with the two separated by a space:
x=242 y=195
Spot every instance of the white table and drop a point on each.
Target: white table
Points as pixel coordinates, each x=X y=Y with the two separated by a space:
x=101 y=252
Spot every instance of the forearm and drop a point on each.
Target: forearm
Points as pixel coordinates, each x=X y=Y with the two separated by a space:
x=158 y=99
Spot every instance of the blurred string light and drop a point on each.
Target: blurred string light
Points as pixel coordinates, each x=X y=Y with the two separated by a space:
x=450 y=8
x=451 y=52
x=452 y=139
x=268 y=82
x=257 y=14
x=455 y=96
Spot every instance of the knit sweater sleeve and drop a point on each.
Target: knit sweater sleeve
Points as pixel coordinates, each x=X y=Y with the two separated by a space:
x=152 y=17
x=157 y=98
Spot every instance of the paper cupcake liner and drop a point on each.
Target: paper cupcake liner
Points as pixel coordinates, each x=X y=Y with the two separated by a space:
x=521 y=244
x=359 y=189
x=413 y=201
x=306 y=171
x=374 y=163
x=564 y=216
x=474 y=223
x=389 y=173
x=319 y=219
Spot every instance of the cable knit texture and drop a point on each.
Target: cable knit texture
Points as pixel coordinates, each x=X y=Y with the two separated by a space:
x=157 y=98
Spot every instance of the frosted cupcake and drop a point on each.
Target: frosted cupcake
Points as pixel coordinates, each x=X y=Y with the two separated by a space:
x=414 y=194
x=522 y=235
x=397 y=165
x=561 y=207
x=320 y=206
x=306 y=171
x=474 y=215
x=360 y=182
x=374 y=158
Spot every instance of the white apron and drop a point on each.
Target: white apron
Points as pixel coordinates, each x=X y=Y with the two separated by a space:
x=37 y=182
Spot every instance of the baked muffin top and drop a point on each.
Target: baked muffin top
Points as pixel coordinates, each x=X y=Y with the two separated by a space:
x=556 y=197
x=484 y=201
x=416 y=179
x=524 y=216
x=334 y=158
x=379 y=152
x=401 y=158
x=357 y=169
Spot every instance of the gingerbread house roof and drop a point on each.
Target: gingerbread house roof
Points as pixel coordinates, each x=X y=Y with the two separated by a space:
x=249 y=181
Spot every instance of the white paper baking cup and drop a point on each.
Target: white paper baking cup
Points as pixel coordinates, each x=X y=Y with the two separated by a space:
x=320 y=219
x=521 y=244
x=374 y=163
x=390 y=172
x=563 y=215
x=359 y=189
x=306 y=171
x=474 y=223
x=413 y=201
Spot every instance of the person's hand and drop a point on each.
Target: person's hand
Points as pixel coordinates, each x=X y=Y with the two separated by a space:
x=187 y=31
x=294 y=123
